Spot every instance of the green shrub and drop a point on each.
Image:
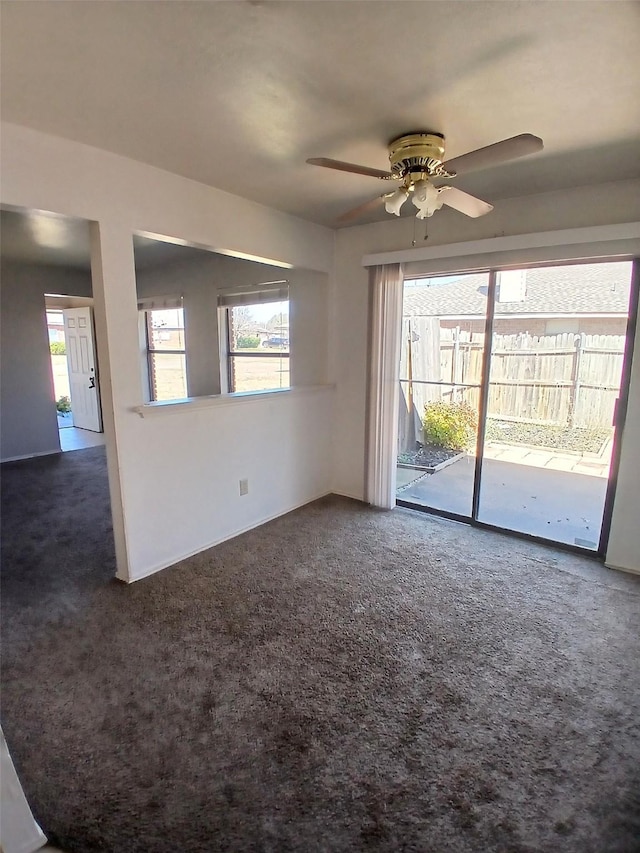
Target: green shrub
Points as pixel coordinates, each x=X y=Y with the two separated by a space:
x=63 y=405
x=449 y=425
x=58 y=348
x=248 y=342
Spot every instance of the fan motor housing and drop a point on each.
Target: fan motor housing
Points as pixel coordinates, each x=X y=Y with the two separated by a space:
x=416 y=155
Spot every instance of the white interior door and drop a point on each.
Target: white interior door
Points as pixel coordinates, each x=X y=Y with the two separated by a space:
x=81 y=362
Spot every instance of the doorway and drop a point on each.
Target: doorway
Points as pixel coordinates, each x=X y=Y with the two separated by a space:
x=73 y=362
x=513 y=384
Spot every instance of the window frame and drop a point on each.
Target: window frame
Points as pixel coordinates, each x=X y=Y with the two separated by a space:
x=150 y=351
x=228 y=353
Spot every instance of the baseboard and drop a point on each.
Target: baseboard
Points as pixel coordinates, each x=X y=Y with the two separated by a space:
x=358 y=498
x=30 y=456
x=174 y=560
x=624 y=569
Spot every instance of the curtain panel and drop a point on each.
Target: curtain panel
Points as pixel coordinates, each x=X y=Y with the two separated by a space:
x=19 y=832
x=386 y=288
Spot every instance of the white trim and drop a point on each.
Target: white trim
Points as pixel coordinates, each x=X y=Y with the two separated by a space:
x=625 y=569
x=241 y=398
x=342 y=494
x=231 y=253
x=518 y=242
x=175 y=560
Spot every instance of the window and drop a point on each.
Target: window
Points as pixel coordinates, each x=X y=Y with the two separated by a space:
x=166 y=351
x=255 y=335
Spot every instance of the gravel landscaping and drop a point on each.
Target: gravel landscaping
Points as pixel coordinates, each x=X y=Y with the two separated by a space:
x=577 y=439
x=427 y=456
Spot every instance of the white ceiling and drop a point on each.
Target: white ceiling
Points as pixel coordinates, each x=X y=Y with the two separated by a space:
x=238 y=94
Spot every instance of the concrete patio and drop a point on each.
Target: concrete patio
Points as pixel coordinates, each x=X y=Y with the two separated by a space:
x=559 y=496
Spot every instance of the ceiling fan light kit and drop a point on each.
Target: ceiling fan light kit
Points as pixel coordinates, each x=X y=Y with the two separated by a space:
x=427 y=198
x=424 y=195
x=415 y=158
x=393 y=201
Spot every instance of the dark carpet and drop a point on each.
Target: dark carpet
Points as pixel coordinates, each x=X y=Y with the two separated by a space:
x=339 y=679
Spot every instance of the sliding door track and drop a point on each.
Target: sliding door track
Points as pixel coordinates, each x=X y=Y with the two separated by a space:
x=517 y=534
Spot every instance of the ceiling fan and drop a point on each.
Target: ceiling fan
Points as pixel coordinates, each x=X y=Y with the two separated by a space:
x=416 y=158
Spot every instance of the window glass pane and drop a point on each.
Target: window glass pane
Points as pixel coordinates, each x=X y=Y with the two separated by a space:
x=166 y=329
x=443 y=327
x=557 y=350
x=259 y=374
x=263 y=326
x=168 y=376
x=55 y=324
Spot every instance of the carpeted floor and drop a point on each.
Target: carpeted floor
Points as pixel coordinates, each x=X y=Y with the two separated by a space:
x=341 y=679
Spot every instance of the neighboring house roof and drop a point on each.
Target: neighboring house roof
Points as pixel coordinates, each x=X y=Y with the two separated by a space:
x=585 y=289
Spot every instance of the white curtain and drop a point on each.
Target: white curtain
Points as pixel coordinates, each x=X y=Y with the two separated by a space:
x=386 y=286
x=19 y=833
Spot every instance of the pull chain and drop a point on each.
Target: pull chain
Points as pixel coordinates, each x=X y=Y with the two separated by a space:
x=414 y=242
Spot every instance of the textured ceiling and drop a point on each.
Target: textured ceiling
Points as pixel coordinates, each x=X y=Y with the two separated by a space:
x=238 y=94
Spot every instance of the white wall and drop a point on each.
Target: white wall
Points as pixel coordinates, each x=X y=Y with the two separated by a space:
x=624 y=540
x=47 y=172
x=28 y=422
x=173 y=477
x=583 y=206
x=279 y=442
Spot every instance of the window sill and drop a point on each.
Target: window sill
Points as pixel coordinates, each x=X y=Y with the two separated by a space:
x=240 y=398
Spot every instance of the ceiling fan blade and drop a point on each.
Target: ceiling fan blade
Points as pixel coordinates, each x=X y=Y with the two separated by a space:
x=492 y=155
x=361 y=209
x=341 y=166
x=465 y=203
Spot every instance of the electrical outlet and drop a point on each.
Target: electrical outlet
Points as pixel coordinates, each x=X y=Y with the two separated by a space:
x=244 y=487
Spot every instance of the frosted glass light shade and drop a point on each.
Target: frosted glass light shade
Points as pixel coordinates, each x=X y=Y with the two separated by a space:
x=394 y=201
x=426 y=198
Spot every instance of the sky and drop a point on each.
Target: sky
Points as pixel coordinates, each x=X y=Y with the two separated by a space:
x=263 y=313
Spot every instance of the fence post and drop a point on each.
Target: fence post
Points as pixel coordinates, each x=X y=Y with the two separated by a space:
x=410 y=365
x=575 y=378
x=455 y=358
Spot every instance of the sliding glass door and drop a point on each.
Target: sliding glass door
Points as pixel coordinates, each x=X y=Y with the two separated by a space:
x=510 y=383
x=443 y=334
x=557 y=349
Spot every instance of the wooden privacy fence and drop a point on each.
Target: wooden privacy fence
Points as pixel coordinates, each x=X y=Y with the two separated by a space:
x=566 y=379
